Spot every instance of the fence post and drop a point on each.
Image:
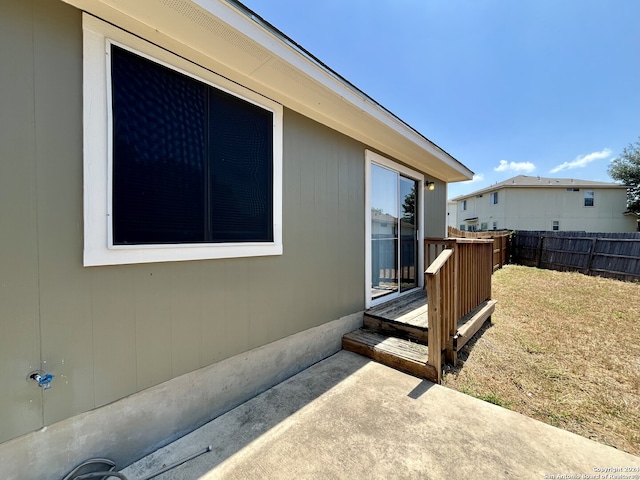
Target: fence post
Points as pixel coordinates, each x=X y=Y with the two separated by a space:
x=539 y=250
x=592 y=250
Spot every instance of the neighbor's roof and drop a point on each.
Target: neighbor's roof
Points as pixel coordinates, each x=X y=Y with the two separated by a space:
x=526 y=181
x=228 y=38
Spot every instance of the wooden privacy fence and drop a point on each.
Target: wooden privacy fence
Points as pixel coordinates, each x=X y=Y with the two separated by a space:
x=608 y=255
x=458 y=280
x=501 y=243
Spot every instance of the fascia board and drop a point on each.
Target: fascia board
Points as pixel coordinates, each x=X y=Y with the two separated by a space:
x=350 y=94
x=299 y=60
x=349 y=110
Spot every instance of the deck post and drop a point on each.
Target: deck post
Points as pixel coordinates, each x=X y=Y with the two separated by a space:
x=451 y=356
x=439 y=293
x=434 y=294
x=450 y=351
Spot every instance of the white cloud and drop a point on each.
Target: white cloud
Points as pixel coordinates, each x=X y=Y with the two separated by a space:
x=476 y=178
x=582 y=161
x=515 y=166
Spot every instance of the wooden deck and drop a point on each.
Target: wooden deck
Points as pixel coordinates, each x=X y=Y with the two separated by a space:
x=396 y=334
x=458 y=285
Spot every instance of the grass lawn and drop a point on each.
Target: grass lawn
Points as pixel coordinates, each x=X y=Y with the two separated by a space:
x=564 y=348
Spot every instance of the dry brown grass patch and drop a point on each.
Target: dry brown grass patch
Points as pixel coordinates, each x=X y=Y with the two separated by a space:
x=564 y=348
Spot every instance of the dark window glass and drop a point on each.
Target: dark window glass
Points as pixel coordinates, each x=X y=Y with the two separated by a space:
x=191 y=164
x=241 y=169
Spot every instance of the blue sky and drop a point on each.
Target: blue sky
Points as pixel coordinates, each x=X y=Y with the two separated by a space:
x=508 y=87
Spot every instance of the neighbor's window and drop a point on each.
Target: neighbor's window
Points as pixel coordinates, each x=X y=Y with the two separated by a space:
x=495 y=225
x=463 y=205
x=493 y=198
x=589 y=197
x=462 y=227
x=483 y=226
x=556 y=225
x=191 y=165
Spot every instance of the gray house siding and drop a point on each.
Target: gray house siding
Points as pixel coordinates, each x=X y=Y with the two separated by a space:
x=435 y=217
x=24 y=46
x=109 y=332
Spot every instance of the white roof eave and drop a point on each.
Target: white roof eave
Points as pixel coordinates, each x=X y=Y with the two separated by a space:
x=230 y=41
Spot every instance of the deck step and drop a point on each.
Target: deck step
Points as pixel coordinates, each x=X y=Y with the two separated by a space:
x=469 y=325
x=403 y=355
x=398 y=328
x=400 y=305
x=405 y=317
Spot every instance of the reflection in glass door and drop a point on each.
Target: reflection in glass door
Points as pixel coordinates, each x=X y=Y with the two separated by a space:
x=394 y=248
x=384 y=231
x=408 y=234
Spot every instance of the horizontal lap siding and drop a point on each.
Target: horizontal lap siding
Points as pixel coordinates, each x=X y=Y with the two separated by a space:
x=111 y=331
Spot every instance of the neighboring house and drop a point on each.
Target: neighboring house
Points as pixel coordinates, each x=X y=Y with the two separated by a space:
x=187 y=201
x=536 y=203
x=452 y=213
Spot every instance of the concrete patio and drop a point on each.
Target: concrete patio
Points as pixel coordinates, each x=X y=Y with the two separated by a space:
x=348 y=417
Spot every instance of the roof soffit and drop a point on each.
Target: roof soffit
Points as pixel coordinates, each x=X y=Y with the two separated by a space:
x=221 y=38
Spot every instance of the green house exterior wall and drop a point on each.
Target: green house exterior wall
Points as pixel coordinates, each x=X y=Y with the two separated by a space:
x=109 y=332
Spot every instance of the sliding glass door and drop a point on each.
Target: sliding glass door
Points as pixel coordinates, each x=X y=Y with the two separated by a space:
x=394 y=248
x=408 y=234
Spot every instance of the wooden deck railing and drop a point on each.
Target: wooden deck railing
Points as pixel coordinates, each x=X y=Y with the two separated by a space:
x=501 y=242
x=440 y=284
x=458 y=280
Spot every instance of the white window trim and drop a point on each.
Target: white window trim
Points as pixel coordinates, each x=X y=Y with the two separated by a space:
x=98 y=240
x=493 y=198
x=372 y=157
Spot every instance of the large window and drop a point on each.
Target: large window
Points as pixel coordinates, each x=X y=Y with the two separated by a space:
x=192 y=161
x=493 y=198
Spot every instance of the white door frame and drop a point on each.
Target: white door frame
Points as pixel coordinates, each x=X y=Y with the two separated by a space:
x=372 y=157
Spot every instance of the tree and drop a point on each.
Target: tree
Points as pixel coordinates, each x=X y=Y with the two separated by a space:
x=626 y=169
x=409 y=206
